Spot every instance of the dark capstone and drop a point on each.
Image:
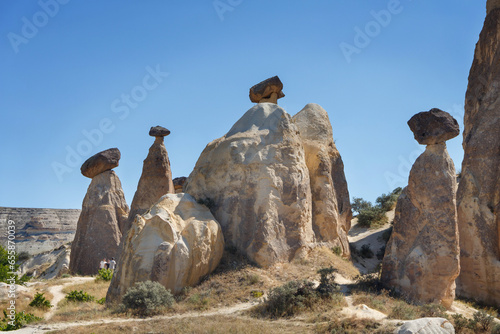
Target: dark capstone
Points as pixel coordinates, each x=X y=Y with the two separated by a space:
x=265 y=88
x=158 y=131
x=433 y=127
x=101 y=162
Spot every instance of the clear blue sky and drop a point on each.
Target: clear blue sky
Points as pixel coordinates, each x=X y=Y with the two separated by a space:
x=84 y=66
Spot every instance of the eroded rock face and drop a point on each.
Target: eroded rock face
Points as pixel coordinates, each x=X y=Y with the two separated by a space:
x=422 y=256
x=492 y=5
x=179 y=184
x=331 y=208
x=100 y=162
x=155 y=181
x=269 y=90
x=98 y=235
x=478 y=194
x=256 y=183
x=433 y=127
x=175 y=243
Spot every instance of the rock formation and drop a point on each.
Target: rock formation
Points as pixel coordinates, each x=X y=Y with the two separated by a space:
x=39 y=230
x=101 y=162
x=256 y=182
x=156 y=178
x=331 y=208
x=179 y=184
x=422 y=256
x=426 y=326
x=478 y=194
x=103 y=210
x=175 y=243
x=269 y=90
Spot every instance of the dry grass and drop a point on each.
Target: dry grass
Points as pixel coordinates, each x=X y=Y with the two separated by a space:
x=355 y=325
x=24 y=298
x=72 y=311
x=198 y=325
x=236 y=280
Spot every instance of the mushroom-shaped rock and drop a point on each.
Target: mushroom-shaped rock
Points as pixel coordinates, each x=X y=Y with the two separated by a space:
x=433 y=127
x=269 y=90
x=101 y=162
x=159 y=131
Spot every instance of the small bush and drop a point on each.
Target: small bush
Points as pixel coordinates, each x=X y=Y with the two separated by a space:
x=79 y=296
x=433 y=311
x=372 y=217
x=327 y=286
x=483 y=319
x=20 y=320
x=147 y=298
x=460 y=322
x=40 y=301
x=101 y=301
x=256 y=293
x=290 y=298
x=104 y=275
x=65 y=275
x=403 y=311
x=387 y=202
x=366 y=251
x=352 y=326
x=381 y=253
x=337 y=250
x=200 y=301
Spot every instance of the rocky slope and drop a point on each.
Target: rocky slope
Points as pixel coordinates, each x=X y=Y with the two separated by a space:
x=39 y=230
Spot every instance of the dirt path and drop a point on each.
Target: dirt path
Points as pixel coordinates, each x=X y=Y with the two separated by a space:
x=44 y=328
x=56 y=291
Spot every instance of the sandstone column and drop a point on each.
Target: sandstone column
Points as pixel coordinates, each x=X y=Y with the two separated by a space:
x=478 y=196
x=103 y=210
x=156 y=178
x=331 y=208
x=422 y=256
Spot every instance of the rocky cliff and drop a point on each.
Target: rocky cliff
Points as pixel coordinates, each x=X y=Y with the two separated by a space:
x=39 y=230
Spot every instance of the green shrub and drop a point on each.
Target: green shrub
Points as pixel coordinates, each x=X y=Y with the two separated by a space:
x=290 y=298
x=483 y=319
x=79 y=296
x=65 y=275
x=101 y=301
x=433 y=311
x=403 y=311
x=366 y=251
x=104 y=275
x=358 y=204
x=387 y=202
x=337 y=250
x=256 y=293
x=40 y=301
x=147 y=298
x=372 y=217
x=9 y=262
x=327 y=286
x=460 y=322
x=20 y=320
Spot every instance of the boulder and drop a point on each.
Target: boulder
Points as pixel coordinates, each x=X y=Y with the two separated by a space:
x=179 y=184
x=155 y=181
x=175 y=243
x=158 y=131
x=426 y=326
x=256 y=183
x=331 y=208
x=97 y=233
x=478 y=196
x=422 y=255
x=433 y=127
x=101 y=162
x=269 y=90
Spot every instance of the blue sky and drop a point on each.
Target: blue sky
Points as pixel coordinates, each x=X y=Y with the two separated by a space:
x=78 y=77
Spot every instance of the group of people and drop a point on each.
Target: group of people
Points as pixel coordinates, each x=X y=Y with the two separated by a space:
x=105 y=264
